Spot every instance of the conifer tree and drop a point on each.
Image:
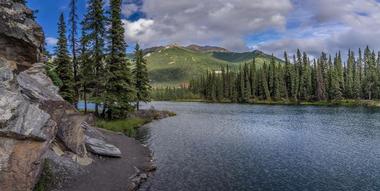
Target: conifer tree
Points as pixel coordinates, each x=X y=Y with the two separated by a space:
x=94 y=27
x=253 y=80
x=295 y=79
x=288 y=74
x=349 y=82
x=321 y=84
x=86 y=71
x=119 y=88
x=73 y=17
x=63 y=63
x=264 y=80
x=20 y=1
x=140 y=72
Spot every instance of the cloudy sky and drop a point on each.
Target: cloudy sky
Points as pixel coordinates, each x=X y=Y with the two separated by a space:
x=240 y=25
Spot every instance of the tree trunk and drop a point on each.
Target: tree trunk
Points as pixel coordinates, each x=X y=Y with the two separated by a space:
x=138 y=105
x=85 y=98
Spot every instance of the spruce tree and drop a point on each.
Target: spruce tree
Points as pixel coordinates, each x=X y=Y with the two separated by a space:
x=140 y=72
x=119 y=87
x=86 y=70
x=321 y=80
x=349 y=82
x=63 y=63
x=94 y=27
x=264 y=80
x=20 y=1
x=253 y=77
x=288 y=74
x=73 y=17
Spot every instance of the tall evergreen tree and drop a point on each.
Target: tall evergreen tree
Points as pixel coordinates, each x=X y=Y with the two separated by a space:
x=94 y=27
x=86 y=70
x=119 y=88
x=142 y=85
x=63 y=63
x=73 y=17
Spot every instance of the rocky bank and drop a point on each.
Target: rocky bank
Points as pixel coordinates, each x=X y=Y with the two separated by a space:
x=38 y=127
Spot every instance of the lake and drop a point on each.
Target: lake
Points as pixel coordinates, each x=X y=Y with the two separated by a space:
x=257 y=147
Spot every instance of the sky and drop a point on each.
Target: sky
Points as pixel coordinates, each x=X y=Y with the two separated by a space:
x=273 y=26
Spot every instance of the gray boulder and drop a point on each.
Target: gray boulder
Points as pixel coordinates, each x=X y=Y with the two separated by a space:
x=100 y=147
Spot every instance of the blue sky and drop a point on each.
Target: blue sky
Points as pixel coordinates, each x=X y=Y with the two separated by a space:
x=240 y=25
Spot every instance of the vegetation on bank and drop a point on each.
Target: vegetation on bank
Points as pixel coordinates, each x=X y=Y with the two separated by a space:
x=126 y=126
x=137 y=119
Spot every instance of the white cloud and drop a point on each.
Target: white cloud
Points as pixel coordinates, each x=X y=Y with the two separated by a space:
x=330 y=26
x=216 y=22
x=51 y=41
x=129 y=9
x=313 y=26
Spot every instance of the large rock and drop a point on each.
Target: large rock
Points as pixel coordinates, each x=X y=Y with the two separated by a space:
x=32 y=113
x=21 y=38
x=100 y=147
x=96 y=142
x=72 y=134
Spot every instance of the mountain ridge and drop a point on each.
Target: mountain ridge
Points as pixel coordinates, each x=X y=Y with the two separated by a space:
x=174 y=64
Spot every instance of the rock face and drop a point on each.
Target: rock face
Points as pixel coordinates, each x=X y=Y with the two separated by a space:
x=32 y=113
x=21 y=38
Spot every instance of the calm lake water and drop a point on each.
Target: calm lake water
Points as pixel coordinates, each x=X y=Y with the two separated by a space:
x=250 y=147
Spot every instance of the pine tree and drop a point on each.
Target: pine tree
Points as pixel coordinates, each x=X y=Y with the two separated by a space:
x=295 y=79
x=140 y=72
x=86 y=71
x=288 y=74
x=335 y=85
x=305 y=82
x=356 y=87
x=119 y=88
x=253 y=77
x=349 y=82
x=20 y=1
x=63 y=63
x=94 y=27
x=264 y=80
x=73 y=17
x=321 y=79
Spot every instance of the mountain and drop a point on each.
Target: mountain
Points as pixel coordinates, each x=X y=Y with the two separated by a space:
x=173 y=64
x=206 y=48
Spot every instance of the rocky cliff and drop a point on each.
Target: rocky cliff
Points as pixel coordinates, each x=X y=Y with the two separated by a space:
x=35 y=122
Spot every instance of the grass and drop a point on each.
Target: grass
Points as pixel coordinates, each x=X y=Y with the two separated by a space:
x=46 y=178
x=126 y=126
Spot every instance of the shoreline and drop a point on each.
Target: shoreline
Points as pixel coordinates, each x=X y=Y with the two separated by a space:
x=128 y=172
x=340 y=103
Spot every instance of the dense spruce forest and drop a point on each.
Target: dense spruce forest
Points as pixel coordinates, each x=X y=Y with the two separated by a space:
x=96 y=68
x=298 y=79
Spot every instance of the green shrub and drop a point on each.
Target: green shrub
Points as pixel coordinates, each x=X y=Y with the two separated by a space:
x=126 y=126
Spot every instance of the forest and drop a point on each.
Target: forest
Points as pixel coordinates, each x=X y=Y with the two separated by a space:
x=297 y=79
x=94 y=67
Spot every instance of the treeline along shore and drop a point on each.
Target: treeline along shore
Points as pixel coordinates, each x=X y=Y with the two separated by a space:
x=326 y=80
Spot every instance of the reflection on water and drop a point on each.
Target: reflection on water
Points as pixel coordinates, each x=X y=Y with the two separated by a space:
x=248 y=147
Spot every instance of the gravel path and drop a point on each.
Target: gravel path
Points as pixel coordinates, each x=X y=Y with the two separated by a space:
x=115 y=174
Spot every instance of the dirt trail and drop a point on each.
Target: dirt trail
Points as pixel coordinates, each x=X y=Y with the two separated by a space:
x=114 y=174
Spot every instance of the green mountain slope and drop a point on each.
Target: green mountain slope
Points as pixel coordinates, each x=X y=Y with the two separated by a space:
x=173 y=65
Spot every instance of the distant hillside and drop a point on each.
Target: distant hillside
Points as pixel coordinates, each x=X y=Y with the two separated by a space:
x=206 y=48
x=173 y=64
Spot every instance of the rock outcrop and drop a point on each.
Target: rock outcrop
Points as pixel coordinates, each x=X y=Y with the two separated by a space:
x=33 y=115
